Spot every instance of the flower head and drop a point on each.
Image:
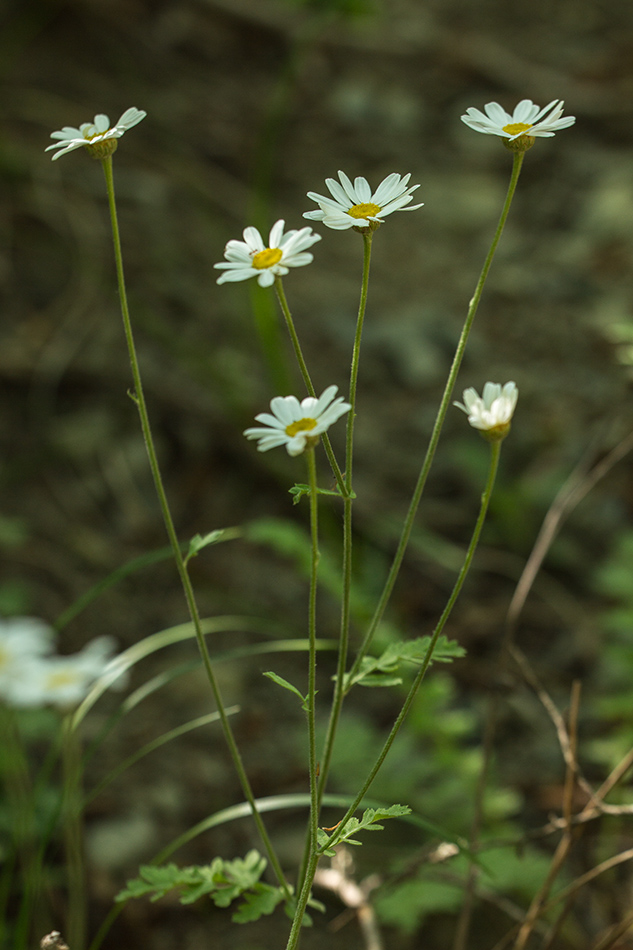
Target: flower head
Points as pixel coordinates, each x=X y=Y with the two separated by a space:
x=492 y=412
x=297 y=425
x=354 y=205
x=61 y=680
x=527 y=120
x=251 y=257
x=97 y=136
x=21 y=639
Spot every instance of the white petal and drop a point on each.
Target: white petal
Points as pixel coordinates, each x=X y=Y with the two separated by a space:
x=253 y=239
x=348 y=187
x=297 y=444
x=235 y=275
x=497 y=114
x=362 y=189
x=286 y=408
x=388 y=189
x=276 y=233
x=341 y=222
x=130 y=118
x=339 y=193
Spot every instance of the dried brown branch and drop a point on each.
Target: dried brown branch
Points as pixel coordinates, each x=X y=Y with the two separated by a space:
x=337 y=878
x=53 y=941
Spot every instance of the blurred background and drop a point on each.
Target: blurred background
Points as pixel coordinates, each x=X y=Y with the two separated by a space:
x=252 y=103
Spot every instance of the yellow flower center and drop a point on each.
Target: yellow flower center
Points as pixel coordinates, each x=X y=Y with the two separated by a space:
x=267 y=258
x=515 y=128
x=62 y=678
x=364 y=210
x=301 y=425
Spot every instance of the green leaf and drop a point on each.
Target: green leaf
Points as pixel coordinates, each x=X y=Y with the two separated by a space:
x=380 y=670
x=381 y=680
x=280 y=681
x=299 y=490
x=156 y=880
x=223 y=881
x=199 y=541
x=368 y=822
x=258 y=902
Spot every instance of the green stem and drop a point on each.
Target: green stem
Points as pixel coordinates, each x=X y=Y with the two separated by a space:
x=72 y=815
x=26 y=858
x=314 y=535
x=439 y=422
x=302 y=903
x=339 y=693
x=485 y=500
x=311 y=837
x=139 y=398
x=285 y=309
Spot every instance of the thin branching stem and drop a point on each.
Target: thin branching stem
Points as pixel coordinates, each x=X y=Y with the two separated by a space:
x=139 y=399
x=72 y=814
x=314 y=565
x=339 y=691
x=485 y=500
x=307 y=379
x=439 y=422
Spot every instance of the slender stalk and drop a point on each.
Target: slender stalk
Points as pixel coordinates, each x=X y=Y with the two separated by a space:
x=314 y=535
x=19 y=792
x=439 y=421
x=285 y=309
x=139 y=398
x=304 y=896
x=72 y=815
x=339 y=693
x=302 y=903
x=309 y=863
x=495 y=449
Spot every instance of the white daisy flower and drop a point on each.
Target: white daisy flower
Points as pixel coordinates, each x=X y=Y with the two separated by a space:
x=354 y=205
x=93 y=134
x=297 y=425
x=492 y=412
x=527 y=118
x=62 y=680
x=21 y=640
x=251 y=257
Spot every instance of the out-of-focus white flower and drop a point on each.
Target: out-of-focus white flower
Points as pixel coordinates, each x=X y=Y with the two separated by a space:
x=95 y=133
x=492 y=412
x=61 y=681
x=251 y=257
x=527 y=119
x=354 y=205
x=21 y=640
x=297 y=425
